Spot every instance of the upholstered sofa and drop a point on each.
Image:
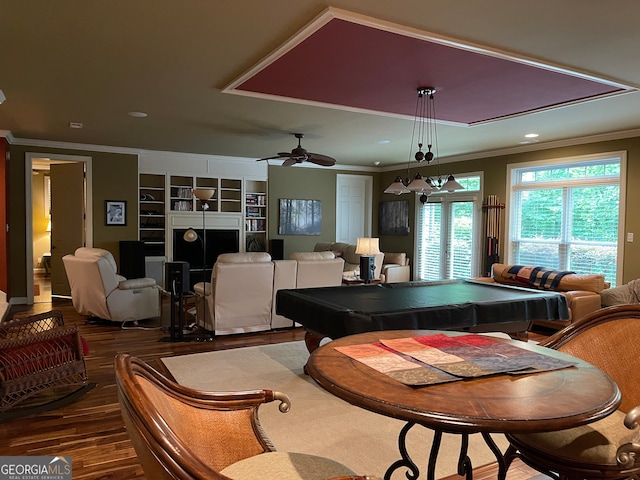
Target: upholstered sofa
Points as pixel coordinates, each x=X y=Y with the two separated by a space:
x=390 y=267
x=582 y=291
x=242 y=293
x=98 y=291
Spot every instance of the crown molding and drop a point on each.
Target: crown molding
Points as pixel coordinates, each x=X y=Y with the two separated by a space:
x=8 y=135
x=603 y=137
x=531 y=147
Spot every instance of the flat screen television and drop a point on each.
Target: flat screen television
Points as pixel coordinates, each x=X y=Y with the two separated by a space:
x=218 y=241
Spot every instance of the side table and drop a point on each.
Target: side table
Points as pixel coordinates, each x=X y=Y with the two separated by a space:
x=356 y=281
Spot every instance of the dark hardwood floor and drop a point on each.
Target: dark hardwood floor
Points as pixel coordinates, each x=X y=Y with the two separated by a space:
x=91 y=430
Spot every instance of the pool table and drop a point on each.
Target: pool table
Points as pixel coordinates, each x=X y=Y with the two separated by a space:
x=465 y=305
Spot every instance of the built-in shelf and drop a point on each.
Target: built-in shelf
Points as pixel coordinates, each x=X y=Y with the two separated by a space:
x=151 y=210
x=163 y=194
x=255 y=215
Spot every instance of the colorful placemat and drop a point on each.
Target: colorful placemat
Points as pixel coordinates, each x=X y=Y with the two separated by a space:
x=417 y=360
x=396 y=365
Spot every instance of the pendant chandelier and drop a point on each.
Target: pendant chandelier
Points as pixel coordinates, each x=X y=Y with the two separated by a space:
x=424 y=130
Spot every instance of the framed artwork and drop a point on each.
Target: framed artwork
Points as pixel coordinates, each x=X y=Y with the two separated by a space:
x=115 y=212
x=300 y=217
x=394 y=218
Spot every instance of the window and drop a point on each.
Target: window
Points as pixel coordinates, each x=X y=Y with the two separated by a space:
x=447 y=233
x=566 y=214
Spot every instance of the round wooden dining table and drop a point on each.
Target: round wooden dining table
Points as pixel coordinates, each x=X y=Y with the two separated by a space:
x=537 y=402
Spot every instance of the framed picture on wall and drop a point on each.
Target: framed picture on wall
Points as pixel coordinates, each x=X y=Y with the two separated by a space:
x=115 y=212
x=300 y=217
x=394 y=218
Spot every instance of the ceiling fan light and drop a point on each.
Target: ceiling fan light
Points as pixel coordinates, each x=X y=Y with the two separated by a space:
x=451 y=185
x=397 y=187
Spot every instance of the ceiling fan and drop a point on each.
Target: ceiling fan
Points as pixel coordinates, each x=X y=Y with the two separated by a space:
x=299 y=155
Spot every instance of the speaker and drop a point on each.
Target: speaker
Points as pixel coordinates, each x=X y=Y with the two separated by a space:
x=276 y=248
x=177 y=277
x=132 y=259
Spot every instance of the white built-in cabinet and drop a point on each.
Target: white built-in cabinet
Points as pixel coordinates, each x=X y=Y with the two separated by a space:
x=166 y=201
x=166 y=180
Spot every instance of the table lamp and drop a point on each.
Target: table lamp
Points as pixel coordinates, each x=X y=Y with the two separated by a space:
x=366 y=248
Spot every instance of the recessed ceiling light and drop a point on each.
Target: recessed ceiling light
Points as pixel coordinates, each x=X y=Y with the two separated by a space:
x=75 y=125
x=376 y=163
x=382 y=142
x=137 y=114
x=531 y=135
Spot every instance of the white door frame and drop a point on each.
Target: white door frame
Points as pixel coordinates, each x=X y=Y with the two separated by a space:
x=28 y=187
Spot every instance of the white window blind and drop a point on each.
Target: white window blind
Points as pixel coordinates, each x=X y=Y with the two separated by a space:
x=447 y=233
x=565 y=216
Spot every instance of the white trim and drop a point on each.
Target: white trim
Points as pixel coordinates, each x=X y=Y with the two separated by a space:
x=601 y=137
x=331 y=13
x=569 y=142
x=621 y=154
x=474 y=196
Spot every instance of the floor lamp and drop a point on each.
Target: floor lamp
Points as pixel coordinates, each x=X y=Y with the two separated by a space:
x=204 y=195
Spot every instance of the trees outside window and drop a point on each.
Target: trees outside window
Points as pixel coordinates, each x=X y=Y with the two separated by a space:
x=566 y=215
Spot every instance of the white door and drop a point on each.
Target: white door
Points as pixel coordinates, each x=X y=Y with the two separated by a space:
x=353 y=207
x=67 y=219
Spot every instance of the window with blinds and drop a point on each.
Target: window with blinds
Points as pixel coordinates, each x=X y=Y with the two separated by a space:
x=447 y=233
x=565 y=215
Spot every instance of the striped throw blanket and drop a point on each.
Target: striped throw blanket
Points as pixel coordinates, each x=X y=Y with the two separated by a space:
x=538 y=277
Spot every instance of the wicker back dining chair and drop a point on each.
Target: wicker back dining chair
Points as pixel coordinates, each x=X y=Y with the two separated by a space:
x=609 y=339
x=182 y=433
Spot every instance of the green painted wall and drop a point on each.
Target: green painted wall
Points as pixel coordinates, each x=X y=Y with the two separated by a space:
x=115 y=177
x=309 y=184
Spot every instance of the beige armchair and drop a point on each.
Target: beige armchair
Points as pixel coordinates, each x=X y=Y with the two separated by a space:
x=98 y=291
x=238 y=299
x=395 y=268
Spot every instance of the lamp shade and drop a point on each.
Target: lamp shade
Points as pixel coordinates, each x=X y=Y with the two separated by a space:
x=397 y=187
x=190 y=235
x=419 y=184
x=368 y=246
x=203 y=193
x=451 y=185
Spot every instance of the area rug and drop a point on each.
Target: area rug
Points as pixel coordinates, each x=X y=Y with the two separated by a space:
x=318 y=422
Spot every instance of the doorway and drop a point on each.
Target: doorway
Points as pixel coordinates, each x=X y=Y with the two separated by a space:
x=74 y=196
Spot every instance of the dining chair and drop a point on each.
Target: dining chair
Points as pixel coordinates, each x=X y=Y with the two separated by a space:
x=609 y=339
x=183 y=433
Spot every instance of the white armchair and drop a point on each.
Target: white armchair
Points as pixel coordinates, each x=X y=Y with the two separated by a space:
x=98 y=291
x=240 y=294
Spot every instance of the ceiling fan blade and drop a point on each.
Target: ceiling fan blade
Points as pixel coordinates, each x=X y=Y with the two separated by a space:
x=322 y=160
x=271 y=158
x=289 y=161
